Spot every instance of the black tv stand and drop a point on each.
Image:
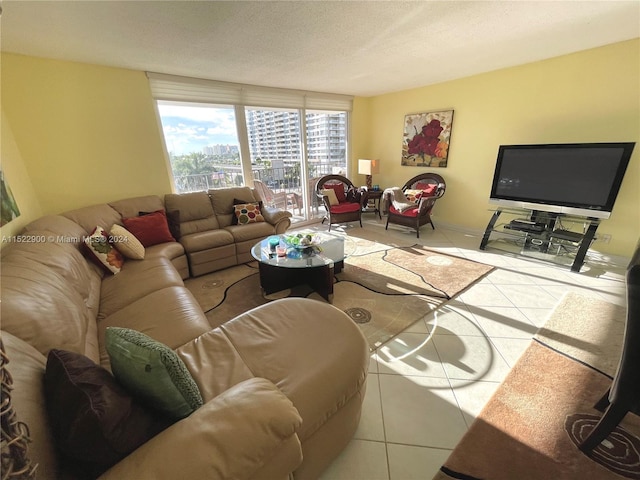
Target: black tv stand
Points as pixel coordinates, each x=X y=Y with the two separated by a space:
x=542 y=234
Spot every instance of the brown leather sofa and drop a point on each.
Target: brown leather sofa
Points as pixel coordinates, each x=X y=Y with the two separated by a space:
x=282 y=384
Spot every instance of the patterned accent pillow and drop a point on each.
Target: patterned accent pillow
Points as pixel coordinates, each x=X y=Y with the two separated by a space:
x=102 y=251
x=126 y=243
x=246 y=213
x=413 y=196
x=234 y=219
x=152 y=372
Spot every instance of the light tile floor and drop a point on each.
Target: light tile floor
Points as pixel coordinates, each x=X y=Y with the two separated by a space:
x=426 y=385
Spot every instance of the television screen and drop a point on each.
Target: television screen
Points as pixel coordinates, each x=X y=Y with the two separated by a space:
x=581 y=179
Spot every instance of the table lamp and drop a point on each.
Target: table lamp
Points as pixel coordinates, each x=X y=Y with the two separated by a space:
x=368 y=168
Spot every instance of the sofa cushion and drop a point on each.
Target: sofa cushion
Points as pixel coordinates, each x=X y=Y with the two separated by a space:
x=47 y=295
x=170 y=315
x=246 y=213
x=200 y=241
x=129 y=207
x=63 y=229
x=152 y=372
x=345 y=207
x=126 y=243
x=135 y=280
x=101 y=251
x=94 y=420
x=89 y=217
x=195 y=211
x=253 y=232
x=222 y=200
x=284 y=342
x=150 y=229
x=410 y=212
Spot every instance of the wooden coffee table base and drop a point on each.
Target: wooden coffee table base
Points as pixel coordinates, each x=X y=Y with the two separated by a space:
x=274 y=278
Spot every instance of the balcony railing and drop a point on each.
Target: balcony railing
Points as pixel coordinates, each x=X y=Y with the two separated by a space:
x=286 y=179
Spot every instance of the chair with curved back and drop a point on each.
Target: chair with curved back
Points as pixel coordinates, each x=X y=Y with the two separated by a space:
x=269 y=197
x=348 y=207
x=624 y=394
x=424 y=190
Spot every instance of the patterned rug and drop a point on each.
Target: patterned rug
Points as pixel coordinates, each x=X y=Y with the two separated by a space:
x=383 y=288
x=532 y=425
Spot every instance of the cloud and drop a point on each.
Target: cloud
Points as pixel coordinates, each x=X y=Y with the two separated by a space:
x=191 y=128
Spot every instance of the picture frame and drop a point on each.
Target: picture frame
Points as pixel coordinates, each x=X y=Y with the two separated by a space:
x=426 y=139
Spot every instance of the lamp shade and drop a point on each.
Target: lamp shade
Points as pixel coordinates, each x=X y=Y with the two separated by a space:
x=368 y=167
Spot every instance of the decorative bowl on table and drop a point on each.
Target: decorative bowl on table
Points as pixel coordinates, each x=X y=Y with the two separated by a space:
x=306 y=241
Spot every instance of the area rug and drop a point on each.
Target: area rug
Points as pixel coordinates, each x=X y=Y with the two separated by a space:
x=531 y=426
x=384 y=289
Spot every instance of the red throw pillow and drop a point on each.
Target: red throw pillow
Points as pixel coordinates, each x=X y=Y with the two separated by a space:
x=339 y=189
x=150 y=229
x=428 y=189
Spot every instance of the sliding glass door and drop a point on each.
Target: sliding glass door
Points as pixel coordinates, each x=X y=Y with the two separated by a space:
x=286 y=150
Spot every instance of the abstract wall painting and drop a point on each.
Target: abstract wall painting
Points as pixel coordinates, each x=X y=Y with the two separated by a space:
x=8 y=206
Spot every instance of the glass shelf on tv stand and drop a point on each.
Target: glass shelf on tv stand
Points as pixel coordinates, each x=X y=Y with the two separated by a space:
x=558 y=238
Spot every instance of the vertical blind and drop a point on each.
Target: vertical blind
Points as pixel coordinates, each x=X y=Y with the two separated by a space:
x=197 y=90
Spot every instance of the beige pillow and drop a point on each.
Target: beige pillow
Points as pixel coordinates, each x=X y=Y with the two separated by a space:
x=331 y=194
x=126 y=243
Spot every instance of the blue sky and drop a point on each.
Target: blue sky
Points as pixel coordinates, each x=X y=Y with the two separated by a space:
x=191 y=128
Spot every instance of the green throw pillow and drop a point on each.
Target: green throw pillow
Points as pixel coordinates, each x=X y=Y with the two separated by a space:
x=152 y=372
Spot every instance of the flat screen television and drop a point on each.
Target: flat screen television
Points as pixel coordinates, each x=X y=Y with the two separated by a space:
x=571 y=178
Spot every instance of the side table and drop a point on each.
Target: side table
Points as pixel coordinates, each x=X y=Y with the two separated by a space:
x=372 y=202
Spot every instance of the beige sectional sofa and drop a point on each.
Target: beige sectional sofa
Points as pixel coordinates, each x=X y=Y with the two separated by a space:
x=282 y=384
x=207 y=232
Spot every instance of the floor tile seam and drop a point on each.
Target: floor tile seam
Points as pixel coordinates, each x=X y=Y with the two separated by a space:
x=451 y=388
x=384 y=428
x=404 y=444
x=409 y=375
x=500 y=353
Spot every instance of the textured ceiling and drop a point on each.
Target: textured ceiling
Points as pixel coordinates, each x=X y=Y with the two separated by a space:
x=360 y=48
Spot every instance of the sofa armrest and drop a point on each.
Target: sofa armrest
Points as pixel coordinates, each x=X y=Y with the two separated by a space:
x=232 y=436
x=280 y=219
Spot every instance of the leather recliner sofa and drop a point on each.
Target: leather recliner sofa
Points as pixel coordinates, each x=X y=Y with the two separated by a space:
x=210 y=238
x=282 y=384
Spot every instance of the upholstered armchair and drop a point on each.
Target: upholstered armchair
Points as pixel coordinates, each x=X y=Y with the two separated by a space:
x=412 y=204
x=342 y=200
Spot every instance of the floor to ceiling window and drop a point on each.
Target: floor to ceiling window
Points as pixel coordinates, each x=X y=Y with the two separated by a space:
x=216 y=136
x=202 y=144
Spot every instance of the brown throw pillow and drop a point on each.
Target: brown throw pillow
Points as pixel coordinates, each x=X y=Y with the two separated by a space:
x=95 y=422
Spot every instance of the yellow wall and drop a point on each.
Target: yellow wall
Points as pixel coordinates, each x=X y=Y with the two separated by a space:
x=87 y=134
x=590 y=96
x=16 y=176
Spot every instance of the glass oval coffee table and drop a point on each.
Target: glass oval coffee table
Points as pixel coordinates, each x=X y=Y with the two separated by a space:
x=284 y=265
